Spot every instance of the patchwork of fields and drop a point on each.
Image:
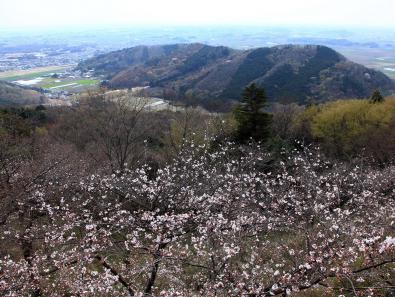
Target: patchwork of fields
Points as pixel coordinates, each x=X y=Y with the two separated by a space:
x=31 y=73
x=66 y=84
x=376 y=58
x=56 y=78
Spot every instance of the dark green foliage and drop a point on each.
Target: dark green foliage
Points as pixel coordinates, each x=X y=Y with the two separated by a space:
x=252 y=121
x=288 y=73
x=145 y=55
x=324 y=59
x=114 y=62
x=298 y=84
x=153 y=62
x=40 y=108
x=30 y=117
x=255 y=65
x=5 y=102
x=195 y=62
x=13 y=125
x=276 y=84
x=204 y=56
x=284 y=83
x=376 y=97
x=357 y=87
x=170 y=48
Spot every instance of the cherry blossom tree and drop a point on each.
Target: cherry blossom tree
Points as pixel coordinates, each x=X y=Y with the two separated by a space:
x=223 y=222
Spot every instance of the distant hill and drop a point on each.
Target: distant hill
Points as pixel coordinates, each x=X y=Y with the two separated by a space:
x=11 y=94
x=289 y=73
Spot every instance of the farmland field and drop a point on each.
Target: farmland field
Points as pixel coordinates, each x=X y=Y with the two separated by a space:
x=44 y=78
x=52 y=83
x=31 y=73
x=380 y=59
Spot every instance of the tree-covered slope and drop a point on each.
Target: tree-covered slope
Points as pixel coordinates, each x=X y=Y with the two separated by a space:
x=11 y=94
x=112 y=63
x=289 y=73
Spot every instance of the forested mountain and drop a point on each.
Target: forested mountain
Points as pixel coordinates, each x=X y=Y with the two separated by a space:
x=11 y=94
x=289 y=73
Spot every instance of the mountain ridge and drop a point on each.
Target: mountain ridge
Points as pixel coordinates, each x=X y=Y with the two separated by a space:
x=289 y=73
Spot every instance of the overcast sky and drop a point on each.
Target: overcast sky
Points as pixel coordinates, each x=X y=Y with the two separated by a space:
x=23 y=13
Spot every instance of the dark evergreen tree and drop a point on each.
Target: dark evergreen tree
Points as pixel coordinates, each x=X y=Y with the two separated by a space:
x=252 y=121
x=376 y=97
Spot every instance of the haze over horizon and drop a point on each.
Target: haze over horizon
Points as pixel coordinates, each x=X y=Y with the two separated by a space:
x=49 y=14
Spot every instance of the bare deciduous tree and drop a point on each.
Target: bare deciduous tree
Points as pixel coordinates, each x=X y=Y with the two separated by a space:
x=111 y=127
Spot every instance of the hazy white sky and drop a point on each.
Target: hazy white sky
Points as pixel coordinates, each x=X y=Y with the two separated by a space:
x=22 y=13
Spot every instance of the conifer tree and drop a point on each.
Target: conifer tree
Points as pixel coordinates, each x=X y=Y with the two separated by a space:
x=376 y=97
x=252 y=121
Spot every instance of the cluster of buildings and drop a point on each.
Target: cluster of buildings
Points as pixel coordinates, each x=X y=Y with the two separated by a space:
x=24 y=59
